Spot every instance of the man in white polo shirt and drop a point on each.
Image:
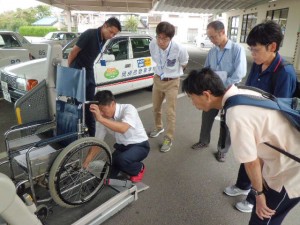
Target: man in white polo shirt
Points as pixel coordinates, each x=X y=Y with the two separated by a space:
x=275 y=178
x=124 y=123
x=171 y=58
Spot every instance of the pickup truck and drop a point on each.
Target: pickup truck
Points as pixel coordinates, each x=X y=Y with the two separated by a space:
x=14 y=48
x=123 y=65
x=13 y=56
x=59 y=37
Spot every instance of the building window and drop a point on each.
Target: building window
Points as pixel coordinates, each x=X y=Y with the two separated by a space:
x=249 y=21
x=233 y=26
x=279 y=16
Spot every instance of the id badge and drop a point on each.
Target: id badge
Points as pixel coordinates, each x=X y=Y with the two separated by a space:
x=171 y=62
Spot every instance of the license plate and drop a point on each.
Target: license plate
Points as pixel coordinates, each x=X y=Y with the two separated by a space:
x=4 y=86
x=6 y=95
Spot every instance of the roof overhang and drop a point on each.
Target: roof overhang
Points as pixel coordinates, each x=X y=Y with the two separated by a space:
x=206 y=6
x=138 y=6
x=144 y=6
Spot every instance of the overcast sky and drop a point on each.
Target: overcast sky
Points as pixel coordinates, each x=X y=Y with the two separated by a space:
x=6 y=5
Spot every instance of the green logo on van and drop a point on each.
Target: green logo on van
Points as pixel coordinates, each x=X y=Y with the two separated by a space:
x=111 y=73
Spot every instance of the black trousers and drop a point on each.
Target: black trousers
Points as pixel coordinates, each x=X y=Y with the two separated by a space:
x=89 y=118
x=127 y=158
x=206 y=126
x=276 y=201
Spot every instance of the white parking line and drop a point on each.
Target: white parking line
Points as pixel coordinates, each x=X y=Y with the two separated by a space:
x=142 y=108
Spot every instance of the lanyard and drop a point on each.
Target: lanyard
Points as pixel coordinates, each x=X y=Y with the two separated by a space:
x=219 y=60
x=99 y=43
x=162 y=66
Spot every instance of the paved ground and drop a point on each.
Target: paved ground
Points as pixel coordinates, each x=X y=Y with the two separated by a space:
x=185 y=185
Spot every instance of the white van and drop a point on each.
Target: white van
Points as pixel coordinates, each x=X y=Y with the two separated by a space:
x=123 y=65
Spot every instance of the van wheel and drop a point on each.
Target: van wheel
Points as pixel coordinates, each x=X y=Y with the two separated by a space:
x=202 y=45
x=149 y=88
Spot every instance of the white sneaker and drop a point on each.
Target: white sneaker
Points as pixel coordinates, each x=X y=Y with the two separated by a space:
x=235 y=191
x=244 y=206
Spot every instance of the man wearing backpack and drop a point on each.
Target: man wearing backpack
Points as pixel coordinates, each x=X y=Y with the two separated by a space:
x=271 y=73
x=275 y=178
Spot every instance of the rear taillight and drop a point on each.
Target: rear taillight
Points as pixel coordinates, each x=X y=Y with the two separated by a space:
x=31 y=84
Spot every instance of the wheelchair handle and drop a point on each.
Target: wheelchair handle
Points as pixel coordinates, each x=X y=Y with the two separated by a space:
x=91 y=102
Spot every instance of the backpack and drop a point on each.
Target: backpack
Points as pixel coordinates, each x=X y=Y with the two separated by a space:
x=276 y=74
x=289 y=107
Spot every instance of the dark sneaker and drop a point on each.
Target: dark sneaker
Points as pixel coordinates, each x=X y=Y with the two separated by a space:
x=139 y=177
x=156 y=132
x=220 y=156
x=199 y=145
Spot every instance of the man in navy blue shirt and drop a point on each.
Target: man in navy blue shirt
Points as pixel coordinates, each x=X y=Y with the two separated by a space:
x=84 y=53
x=271 y=73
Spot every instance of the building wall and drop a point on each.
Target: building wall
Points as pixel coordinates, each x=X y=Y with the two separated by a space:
x=187 y=25
x=292 y=26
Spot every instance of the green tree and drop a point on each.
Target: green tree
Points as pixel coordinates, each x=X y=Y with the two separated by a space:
x=131 y=23
x=12 y=20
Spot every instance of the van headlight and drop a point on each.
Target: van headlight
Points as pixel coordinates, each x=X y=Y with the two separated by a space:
x=31 y=83
x=21 y=84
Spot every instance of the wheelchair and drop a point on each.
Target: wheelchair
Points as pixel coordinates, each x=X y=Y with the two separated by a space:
x=48 y=147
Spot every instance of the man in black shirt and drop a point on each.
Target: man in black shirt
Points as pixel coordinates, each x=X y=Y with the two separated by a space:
x=84 y=53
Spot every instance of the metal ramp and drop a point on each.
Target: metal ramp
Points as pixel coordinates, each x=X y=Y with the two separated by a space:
x=113 y=205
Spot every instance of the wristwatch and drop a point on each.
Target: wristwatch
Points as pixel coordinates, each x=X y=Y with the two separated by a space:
x=256 y=193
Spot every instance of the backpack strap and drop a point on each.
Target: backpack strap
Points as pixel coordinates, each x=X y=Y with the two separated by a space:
x=259 y=101
x=284 y=152
x=276 y=74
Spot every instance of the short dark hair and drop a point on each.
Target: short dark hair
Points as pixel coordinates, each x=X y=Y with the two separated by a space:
x=216 y=25
x=165 y=28
x=265 y=33
x=104 y=97
x=203 y=80
x=113 y=22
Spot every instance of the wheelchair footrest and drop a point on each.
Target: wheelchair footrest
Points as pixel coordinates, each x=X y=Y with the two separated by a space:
x=119 y=183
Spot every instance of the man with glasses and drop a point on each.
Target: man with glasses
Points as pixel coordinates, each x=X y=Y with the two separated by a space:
x=271 y=73
x=228 y=60
x=171 y=58
x=83 y=55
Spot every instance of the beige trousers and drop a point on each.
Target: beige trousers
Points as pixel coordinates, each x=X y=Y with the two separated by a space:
x=162 y=90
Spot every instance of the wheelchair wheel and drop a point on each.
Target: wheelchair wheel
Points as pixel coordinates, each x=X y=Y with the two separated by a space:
x=70 y=184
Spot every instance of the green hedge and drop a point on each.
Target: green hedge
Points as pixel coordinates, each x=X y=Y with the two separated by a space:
x=35 y=31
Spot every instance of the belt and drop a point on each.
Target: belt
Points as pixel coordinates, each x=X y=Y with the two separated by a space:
x=168 y=78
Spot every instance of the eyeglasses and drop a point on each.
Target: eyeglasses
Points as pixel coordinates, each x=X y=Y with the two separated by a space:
x=163 y=39
x=256 y=50
x=213 y=37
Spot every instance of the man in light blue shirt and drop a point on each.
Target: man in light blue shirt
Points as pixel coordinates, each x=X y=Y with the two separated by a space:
x=228 y=60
